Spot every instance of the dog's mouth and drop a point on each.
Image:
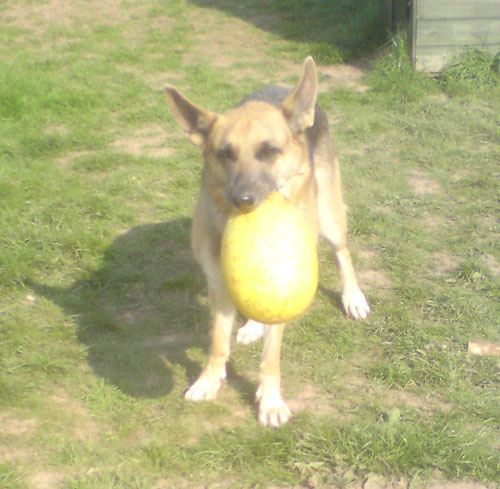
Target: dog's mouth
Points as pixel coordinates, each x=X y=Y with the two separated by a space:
x=246 y=194
x=249 y=199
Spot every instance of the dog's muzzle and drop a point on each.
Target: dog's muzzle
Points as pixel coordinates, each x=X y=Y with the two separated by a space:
x=244 y=201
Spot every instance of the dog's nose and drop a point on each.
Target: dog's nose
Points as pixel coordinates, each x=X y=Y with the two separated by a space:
x=244 y=201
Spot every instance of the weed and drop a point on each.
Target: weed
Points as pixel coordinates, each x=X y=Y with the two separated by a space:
x=471 y=71
x=394 y=77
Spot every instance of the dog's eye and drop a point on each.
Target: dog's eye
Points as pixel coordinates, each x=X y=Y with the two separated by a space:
x=268 y=152
x=225 y=153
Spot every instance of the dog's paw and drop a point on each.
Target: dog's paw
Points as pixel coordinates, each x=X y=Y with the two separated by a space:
x=207 y=386
x=273 y=411
x=355 y=304
x=251 y=331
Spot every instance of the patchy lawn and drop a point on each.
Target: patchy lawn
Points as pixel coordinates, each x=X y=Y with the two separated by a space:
x=103 y=312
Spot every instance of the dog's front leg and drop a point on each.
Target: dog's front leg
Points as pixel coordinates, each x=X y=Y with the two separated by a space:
x=353 y=299
x=209 y=381
x=272 y=409
x=333 y=226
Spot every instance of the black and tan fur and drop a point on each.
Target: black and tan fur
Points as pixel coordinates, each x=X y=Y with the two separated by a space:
x=274 y=140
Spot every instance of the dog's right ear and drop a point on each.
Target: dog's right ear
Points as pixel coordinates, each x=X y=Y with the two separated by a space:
x=194 y=120
x=299 y=107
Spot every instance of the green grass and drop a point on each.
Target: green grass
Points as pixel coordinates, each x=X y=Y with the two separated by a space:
x=472 y=71
x=103 y=312
x=332 y=32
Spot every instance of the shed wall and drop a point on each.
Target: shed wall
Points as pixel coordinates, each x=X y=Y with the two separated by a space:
x=440 y=28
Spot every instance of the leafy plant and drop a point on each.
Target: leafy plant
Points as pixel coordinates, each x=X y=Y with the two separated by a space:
x=394 y=76
x=471 y=71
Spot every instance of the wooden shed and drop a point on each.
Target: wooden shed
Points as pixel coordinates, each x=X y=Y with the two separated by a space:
x=439 y=29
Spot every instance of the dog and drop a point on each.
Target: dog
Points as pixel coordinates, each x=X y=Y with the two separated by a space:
x=275 y=140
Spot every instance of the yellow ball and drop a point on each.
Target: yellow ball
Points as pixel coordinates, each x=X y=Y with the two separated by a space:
x=269 y=261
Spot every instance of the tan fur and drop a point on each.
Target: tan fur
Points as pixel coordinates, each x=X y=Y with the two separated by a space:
x=250 y=151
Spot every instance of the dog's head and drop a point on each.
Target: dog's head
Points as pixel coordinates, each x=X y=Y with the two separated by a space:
x=257 y=147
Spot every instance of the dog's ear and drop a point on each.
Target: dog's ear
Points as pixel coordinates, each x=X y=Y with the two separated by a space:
x=194 y=120
x=298 y=108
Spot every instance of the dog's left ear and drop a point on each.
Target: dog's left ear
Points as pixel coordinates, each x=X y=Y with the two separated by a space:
x=298 y=108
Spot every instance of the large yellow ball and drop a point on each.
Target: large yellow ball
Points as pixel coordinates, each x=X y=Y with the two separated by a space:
x=269 y=261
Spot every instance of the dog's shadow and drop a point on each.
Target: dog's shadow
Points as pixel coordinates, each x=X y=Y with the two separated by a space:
x=141 y=310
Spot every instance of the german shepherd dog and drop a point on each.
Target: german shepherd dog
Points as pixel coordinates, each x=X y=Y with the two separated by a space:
x=275 y=140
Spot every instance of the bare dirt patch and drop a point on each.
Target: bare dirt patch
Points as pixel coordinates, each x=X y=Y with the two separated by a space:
x=374 y=280
x=75 y=415
x=46 y=480
x=225 y=46
x=309 y=398
x=233 y=414
x=493 y=265
x=444 y=263
x=222 y=45
x=397 y=398
x=460 y=174
x=368 y=277
x=58 y=13
x=458 y=485
x=423 y=185
x=12 y=426
x=355 y=383
x=348 y=75
x=374 y=481
x=11 y=454
x=147 y=141
x=436 y=222
x=56 y=130
x=159 y=81
x=15 y=434
x=69 y=158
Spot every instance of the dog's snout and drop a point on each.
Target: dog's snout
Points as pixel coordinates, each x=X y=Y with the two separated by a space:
x=245 y=200
x=247 y=191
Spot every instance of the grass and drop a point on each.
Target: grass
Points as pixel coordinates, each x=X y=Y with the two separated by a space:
x=104 y=315
x=332 y=32
x=471 y=71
